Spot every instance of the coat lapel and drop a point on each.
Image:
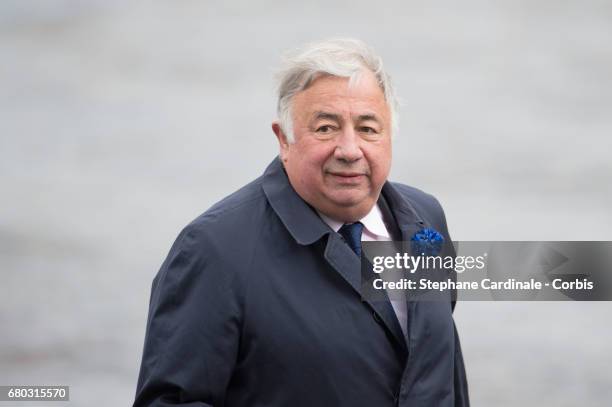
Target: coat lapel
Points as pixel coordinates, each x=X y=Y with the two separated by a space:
x=404 y=214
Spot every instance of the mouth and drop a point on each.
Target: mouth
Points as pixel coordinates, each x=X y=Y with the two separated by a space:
x=348 y=177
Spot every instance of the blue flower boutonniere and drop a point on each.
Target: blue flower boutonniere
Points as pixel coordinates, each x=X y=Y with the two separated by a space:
x=427 y=242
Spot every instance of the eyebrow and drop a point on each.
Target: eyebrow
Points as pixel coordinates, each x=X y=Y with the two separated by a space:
x=365 y=117
x=332 y=116
x=326 y=115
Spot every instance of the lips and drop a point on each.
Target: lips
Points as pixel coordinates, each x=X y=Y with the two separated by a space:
x=347 y=174
x=347 y=178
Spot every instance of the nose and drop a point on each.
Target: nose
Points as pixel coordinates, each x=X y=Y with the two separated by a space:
x=348 y=146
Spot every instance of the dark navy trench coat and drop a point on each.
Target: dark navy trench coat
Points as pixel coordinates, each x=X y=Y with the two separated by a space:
x=258 y=305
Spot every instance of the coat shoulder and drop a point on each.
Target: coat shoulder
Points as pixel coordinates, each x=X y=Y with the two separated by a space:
x=228 y=230
x=420 y=199
x=234 y=212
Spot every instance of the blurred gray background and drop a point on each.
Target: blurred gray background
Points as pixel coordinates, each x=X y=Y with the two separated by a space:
x=122 y=121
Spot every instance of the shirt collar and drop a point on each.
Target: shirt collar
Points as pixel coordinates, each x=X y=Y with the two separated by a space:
x=373 y=222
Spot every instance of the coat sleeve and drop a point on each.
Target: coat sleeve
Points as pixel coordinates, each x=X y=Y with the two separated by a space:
x=462 y=398
x=193 y=327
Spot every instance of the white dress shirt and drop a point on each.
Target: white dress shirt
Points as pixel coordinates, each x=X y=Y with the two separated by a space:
x=374 y=230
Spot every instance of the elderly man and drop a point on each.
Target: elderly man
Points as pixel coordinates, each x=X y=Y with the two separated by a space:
x=258 y=302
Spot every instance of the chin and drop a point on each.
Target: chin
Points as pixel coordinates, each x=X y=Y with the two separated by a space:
x=354 y=208
x=349 y=214
x=348 y=201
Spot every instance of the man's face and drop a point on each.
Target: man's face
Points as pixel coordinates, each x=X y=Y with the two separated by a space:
x=341 y=155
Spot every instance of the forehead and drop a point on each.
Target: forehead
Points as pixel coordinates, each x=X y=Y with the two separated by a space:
x=338 y=95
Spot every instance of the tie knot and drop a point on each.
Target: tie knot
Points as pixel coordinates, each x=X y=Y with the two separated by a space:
x=352 y=235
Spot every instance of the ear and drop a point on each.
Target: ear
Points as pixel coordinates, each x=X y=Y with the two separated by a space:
x=282 y=140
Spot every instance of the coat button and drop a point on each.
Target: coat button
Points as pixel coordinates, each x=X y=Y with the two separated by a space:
x=377 y=318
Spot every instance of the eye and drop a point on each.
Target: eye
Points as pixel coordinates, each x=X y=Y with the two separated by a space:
x=324 y=129
x=369 y=130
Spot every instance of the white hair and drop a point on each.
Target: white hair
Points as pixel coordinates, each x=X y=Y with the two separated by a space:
x=342 y=57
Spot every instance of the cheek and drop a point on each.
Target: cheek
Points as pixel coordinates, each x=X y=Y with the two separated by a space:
x=306 y=165
x=312 y=158
x=380 y=161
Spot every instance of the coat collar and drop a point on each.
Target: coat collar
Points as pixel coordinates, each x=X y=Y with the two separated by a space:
x=299 y=218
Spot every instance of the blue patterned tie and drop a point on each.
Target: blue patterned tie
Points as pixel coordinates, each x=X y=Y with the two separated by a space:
x=352 y=235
